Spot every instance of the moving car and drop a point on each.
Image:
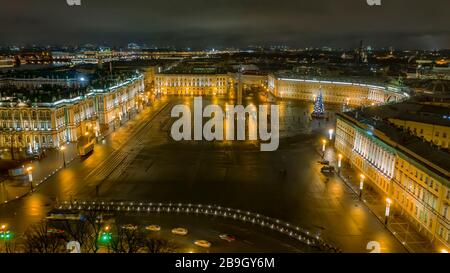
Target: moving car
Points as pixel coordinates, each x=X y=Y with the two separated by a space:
x=227 y=237
x=180 y=231
x=203 y=243
x=130 y=227
x=55 y=231
x=153 y=228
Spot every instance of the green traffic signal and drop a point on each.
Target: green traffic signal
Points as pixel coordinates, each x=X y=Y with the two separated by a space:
x=105 y=237
x=6 y=235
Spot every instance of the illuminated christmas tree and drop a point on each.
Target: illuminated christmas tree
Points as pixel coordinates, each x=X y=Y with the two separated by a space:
x=319 y=108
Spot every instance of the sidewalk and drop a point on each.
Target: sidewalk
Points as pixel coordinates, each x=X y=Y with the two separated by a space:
x=12 y=188
x=15 y=187
x=398 y=224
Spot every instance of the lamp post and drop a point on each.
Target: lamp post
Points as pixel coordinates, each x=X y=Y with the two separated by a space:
x=96 y=132
x=330 y=133
x=339 y=163
x=388 y=208
x=63 y=148
x=361 y=185
x=324 y=143
x=30 y=176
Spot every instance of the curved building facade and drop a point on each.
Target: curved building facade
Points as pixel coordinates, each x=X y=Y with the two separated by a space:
x=338 y=92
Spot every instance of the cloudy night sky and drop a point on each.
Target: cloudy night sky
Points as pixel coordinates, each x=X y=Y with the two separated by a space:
x=208 y=23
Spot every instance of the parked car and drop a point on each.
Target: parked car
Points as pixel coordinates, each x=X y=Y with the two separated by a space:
x=324 y=162
x=327 y=169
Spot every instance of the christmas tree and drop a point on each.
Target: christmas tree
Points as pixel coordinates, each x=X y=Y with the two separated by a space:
x=319 y=108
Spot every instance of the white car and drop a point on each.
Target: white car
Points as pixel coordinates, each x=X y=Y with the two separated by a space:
x=153 y=228
x=180 y=231
x=203 y=243
x=130 y=227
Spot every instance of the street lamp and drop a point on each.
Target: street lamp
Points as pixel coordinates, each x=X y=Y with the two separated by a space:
x=30 y=176
x=330 y=133
x=361 y=184
x=324 y=143
x=339 y=162
x=63 y=154
x=388 y=207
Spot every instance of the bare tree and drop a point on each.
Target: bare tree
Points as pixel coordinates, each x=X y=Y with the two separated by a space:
x=38 y=239
x=126 y=240
x=154 y=245
x=8 y=246
x=76 y=230
x=94 y=225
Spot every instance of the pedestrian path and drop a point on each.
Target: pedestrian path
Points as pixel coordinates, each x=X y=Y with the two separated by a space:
x=397 y=224
x=15 y=187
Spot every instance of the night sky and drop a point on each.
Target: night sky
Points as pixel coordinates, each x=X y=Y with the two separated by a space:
x=212 y=23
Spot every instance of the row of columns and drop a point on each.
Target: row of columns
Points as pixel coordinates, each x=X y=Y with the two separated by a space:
x=382 y=159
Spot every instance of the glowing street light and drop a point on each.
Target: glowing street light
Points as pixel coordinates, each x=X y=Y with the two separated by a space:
x=30 y=176
x=361 y=184
x=63 y=148
x=330 y=133
x=444 y=251
x=388 y=207
x=339 y=162
x=324 y=143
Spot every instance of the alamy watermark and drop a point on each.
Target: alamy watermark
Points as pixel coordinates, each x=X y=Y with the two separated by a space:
x=373 y=2
x=213 y=129
x=73 y=2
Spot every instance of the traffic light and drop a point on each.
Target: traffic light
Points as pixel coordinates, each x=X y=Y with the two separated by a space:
x=6 y=235
x=105 y=235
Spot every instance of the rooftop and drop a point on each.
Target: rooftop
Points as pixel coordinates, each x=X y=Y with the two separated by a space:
x=377 y=118
x=100 y=81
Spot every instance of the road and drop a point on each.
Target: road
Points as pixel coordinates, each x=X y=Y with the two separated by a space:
x=140 y=162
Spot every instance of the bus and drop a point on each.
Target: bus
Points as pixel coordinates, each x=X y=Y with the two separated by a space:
x=86 y=149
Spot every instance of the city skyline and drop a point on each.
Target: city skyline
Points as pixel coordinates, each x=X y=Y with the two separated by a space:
x=201 y=24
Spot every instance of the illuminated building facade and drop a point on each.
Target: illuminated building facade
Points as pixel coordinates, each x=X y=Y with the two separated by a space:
x=438 y=134
x=30 y=125
x=192 y=84
x=338 y=92
x=401 y=166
